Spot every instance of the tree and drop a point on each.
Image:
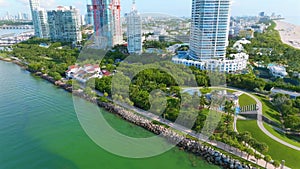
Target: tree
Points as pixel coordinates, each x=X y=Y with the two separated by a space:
x=89 y=92
x=250 y=152
x=257 y=157
x=244 y=136
x=203 y=101
x=276 y=163
x=268 y=159
x=263 y=147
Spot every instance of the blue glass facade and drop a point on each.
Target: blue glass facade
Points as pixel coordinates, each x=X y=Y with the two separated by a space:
x=103 y=23
x=209 y=30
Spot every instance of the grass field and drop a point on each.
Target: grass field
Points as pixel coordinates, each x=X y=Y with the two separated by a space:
x=281 y=136
x=245 y=100
x=276 y=150
x=4 y=55
x=269 y=110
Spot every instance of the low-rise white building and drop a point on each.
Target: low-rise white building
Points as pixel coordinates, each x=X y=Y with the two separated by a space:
x=277 y=71
x=238 y=45
x=83 y=74
x=222 y=65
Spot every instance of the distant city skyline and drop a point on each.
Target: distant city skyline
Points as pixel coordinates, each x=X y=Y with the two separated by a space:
x=289 y=9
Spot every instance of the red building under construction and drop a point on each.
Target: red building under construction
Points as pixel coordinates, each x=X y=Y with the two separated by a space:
x=107 y=22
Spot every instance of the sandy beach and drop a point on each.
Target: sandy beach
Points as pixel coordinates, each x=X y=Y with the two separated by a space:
x=290 y=33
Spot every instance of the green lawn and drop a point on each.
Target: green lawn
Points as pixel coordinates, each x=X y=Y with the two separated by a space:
x=228 y=90
x=281 y=136
x=269 y=110
x=276 y=150
x=245 y=100
x=4 y=55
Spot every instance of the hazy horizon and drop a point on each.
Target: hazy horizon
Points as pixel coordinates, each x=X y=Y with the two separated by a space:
x=289 y=9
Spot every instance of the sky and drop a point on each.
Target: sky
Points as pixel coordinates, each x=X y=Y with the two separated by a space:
x=287 y=8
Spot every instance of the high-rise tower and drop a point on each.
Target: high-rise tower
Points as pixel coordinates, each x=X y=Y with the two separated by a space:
x=134 y=30
x=64 y=24
x=34 y=4
x=107 y=22
x=116 y=11
x=39 y=19
x=209 y=30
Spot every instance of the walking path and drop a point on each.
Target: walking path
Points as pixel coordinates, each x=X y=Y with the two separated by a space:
x=201 y=137
x=260 y=121
x=262 y=127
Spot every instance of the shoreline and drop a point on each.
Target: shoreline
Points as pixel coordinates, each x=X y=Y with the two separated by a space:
x=289 y=33
x=207 y=153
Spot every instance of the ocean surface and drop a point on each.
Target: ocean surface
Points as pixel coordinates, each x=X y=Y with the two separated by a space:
x=293 y=19
x=39 y=129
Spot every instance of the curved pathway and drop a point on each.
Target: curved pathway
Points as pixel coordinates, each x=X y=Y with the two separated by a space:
x=260 y=120
x=262 y=127
x=186 y=131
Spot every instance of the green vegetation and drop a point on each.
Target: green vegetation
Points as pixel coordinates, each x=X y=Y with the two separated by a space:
x=268 y=47
x=245 y=100
x=269 y=110
x=282 y=136
x=14 y=23
x=276 y=150
x=157 y=44
x=234 y=156
x=3 y=54
x=248 y=82
x=289 y=111
x=50 y=60
x=273 y=49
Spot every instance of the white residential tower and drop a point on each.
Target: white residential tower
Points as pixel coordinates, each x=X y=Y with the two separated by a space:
x=134 y=31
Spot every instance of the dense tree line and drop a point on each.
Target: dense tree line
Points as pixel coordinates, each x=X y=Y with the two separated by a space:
x=268 y=47
x=290 y=111
x=158 y=44
x=53 y=60
x=14 y=23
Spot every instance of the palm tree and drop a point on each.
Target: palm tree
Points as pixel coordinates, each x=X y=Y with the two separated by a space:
x=257 y=157
x=203 y=101
x=229 y=110
x=268 y=159
x=249 y=152
x=276 y=164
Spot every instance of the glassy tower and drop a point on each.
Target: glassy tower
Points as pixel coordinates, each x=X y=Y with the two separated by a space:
x=64 y=24
x=134 y=31
x=209 y=30
x=39 y=19
x=107 y=22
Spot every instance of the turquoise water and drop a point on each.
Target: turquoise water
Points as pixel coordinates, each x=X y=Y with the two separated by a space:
x=39 y=130
x=293 y=19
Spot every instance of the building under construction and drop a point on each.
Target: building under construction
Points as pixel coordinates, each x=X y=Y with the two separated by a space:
x=107 y=22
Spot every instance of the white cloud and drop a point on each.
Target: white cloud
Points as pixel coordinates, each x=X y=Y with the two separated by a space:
x=3 y=3
x=23 y=2
x=49 y=4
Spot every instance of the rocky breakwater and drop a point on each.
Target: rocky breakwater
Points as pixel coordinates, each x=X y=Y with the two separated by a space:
x=207 y=153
